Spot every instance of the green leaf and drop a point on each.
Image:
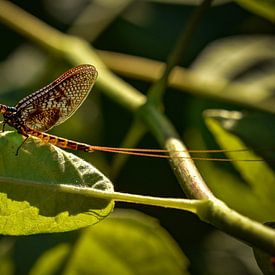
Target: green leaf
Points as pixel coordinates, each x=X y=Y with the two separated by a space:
x=265 y=8
x=29 y=204
x=51 y=260
x=259 y=176
x=130 y=242
x=228 y=185
x=256 y=130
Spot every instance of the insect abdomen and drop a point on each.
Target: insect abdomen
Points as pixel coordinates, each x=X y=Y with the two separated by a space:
x=60 y=142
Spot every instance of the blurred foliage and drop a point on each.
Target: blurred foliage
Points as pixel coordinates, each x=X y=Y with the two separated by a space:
x=264 y=8
x=103 y=249
x=246 y=69
x=242 y=54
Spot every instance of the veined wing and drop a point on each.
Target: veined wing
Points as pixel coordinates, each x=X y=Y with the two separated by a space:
x=56 y=102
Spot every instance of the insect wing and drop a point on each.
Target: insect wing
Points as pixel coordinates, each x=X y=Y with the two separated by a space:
x=56 y=102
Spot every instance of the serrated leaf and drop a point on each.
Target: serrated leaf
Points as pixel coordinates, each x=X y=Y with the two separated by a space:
x=265 y=8
x=36 y=208
x=130 y=242
x=258 y=175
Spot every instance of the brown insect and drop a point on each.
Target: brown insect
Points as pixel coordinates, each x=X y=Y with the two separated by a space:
x=53 y=104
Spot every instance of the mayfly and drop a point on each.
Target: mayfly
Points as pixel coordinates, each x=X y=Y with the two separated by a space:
x=37 y=113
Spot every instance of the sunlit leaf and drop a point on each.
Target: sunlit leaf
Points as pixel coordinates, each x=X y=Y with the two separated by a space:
x=258 y=175
x=229 y=186
x=130 y=242
x=34 y=208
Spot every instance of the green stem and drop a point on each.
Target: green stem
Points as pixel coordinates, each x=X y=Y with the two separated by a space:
x=181 y=162
x=212 y=211
x=183 y=204
x=228 y=220
x=188 y=176
x=78 y=51
x=156 y=91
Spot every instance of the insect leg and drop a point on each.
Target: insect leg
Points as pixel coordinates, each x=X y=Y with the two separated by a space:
x=3 y=126
x=19 y=147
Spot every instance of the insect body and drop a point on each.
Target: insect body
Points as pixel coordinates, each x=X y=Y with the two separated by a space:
x=52 y=105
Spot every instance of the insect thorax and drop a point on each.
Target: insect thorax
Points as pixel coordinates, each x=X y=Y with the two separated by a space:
x=11 y=117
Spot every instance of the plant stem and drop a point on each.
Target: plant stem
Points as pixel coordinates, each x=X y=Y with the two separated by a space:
x=78 y=51
x=183 y=204
x=188 y=176
x=235 y=224
x=212 y=211
x=182 y=165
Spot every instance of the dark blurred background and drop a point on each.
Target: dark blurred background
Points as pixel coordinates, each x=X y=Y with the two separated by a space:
x=148 y=29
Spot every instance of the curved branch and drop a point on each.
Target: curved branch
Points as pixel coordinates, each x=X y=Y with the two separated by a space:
x=78 y=51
